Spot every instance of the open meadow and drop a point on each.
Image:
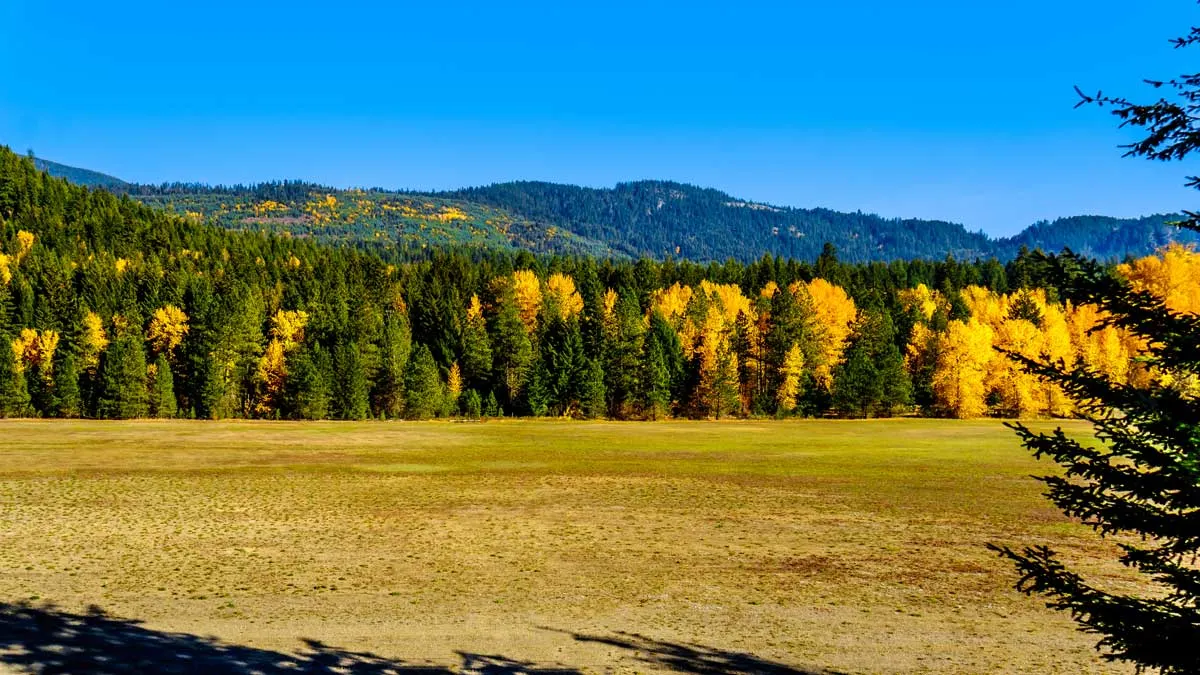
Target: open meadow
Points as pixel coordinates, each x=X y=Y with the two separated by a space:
x=790 y=547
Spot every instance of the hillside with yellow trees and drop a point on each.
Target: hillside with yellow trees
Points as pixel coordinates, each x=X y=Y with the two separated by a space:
x=111 y=308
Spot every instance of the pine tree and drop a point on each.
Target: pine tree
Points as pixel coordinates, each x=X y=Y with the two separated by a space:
x=476 y=346
x=162 y=389
x=472 y=405
x=67 y=401
x=122 y=380
x=387 y=394
x=422 y=386
x=14 y=393
x=1141 y=482
x=591 y=390
x=513 y=352
x=871 y=380
x=350 y=398
x=307 y=389
x=491 y=407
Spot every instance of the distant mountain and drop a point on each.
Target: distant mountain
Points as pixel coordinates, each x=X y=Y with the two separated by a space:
x=645 y=218
x=80 y=176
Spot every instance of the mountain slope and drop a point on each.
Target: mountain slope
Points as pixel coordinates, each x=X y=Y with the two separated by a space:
x=658 y=219
x=80 y=176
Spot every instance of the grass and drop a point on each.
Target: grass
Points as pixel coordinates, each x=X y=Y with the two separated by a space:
x=851 y=546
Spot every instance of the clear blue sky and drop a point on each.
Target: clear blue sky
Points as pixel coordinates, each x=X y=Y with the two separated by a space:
x=942 y=109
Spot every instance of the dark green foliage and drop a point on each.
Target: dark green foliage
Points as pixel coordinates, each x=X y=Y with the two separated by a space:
x=68 y=400
x=423 y=392
x=387 y=395
x=350 y=400
x=491 y=408
x=624 y=340
x=122 y=379
x=1141 y=482
x=664 y=368
x=472 y=405
x=162 y=390
x=513 y=353
x=871 y=381
x=308 y=386
x=14 y=393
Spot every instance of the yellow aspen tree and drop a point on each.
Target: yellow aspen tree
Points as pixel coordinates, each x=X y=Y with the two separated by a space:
x=287 y=333
x=1173 y=276
x=835 y=313
x=5 y=269
x=1020 y=392
x=671 y=302
x=716 y=393
x=922 y=299
x=1056 y=345
x=454 y=381
x=791 y=372
x=92 y=341
x=561 y=298
x=527 y=289
x=168 y=327
x=964 y=354
x=24 y=244
x=121 y=264
x=32 y=349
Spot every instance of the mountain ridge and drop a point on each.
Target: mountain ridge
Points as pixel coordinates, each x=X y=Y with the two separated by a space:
x=652 y=218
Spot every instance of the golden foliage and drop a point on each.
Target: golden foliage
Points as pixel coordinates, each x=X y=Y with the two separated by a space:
x=24 y=244
x=789 y=384
x=5 y=270
x=1173 y=276
x=528 y=291
x=168 y=327
x=121 y=265
x=454 y=382
x=287 y=327
x=964 y=355
x=670 y=302
x=561 y=297
x=924 y=300
x=92 y=341
x=34 y=349
x=474 y=309
x=835 y=313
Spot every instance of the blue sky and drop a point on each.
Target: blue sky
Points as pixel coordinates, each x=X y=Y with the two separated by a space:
x=938 y=109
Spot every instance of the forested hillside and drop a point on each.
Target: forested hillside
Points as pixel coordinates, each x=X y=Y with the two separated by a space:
x=642 y=219
x=116 y=309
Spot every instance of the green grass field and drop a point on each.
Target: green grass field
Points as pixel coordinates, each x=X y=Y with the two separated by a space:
x=854 y=547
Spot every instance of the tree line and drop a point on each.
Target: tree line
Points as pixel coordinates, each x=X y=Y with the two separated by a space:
x=114 y=309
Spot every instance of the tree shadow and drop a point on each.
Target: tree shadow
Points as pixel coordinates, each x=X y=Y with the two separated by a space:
x=693 y=658
x=49 y=641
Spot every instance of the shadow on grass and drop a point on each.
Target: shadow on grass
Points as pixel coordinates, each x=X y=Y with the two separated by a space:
x=50 y=641
x=692 y=658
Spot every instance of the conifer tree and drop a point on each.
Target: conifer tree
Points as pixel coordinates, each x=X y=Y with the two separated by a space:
x=871 y=380
x=308 y=385
x=162 y=389
x=14 y=393
x=122 y=378
x=513 y=353
x=472 y=405
x=1141 y=482
x=422 y=386
x=350 y=398
x=67 y=401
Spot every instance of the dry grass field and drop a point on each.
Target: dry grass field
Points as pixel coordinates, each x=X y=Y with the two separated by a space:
x=788 y=547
